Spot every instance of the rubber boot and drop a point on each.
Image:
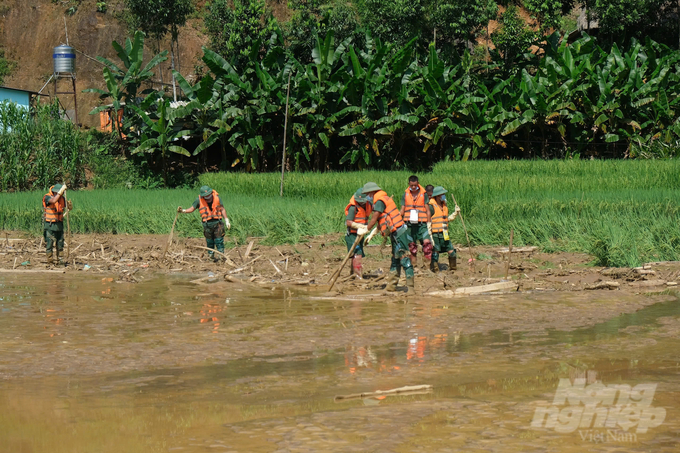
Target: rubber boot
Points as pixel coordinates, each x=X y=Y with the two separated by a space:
x=392 y=281
x=452 y=263
x=434 y=266
x=356 y=266
x=219 y=246
x=211 y=256
x=411 y=282
x=59 y=260
x=50 y=260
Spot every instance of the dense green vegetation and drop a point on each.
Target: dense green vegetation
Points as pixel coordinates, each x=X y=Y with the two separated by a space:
x=622 y=212
x=37 y=148
x=384 y=107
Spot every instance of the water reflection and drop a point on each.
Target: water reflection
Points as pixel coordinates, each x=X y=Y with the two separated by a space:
x=93 y=364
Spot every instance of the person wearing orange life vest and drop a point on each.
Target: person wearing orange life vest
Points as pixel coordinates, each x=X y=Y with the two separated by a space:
x=53 y=205
x=416 y=214
x=390 y=222
x=212 y=213
x=357 y=213
x=440 y=229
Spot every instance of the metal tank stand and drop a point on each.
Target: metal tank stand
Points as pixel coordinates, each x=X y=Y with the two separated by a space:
x=67 y=75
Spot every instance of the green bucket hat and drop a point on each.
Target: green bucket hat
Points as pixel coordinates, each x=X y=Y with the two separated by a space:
x=56 y=188
x=439 y=190
x=370 y=187
x=359 y=196
x=205 y=191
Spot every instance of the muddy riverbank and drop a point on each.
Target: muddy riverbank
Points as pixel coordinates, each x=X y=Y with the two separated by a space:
x=140 y=353
x=312 y=263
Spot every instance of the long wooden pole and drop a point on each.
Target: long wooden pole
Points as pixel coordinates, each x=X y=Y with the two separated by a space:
x=172 y=230
x=472 y=257
x=285 y=131
x=507 y=265
x=349 y=254
x=68 y=229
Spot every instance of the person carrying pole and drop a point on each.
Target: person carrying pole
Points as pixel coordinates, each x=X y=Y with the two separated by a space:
x=214 y=219
x=416 y=214
x=440 y=229
x=391 y=223
x=53 y=205
x=357 y=213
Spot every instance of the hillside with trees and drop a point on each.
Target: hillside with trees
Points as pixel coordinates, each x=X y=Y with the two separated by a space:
x=364 y=84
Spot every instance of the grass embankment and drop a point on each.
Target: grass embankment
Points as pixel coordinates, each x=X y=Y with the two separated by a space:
x=622 y=212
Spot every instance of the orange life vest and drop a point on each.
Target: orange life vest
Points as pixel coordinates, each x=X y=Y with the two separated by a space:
x=417 y=203
x=440 y=221
x=390 y=220
x=362 y=215
x=53 y=212
x=204 y=209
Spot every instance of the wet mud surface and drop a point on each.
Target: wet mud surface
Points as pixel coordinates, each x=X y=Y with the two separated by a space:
x=154 y=354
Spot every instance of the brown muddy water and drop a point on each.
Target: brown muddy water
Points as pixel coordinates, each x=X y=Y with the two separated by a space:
x=91 y=365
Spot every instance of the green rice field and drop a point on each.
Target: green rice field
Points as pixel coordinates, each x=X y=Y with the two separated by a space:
x=622 y=212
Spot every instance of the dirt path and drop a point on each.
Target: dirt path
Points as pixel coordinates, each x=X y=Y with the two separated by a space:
x=312 y=263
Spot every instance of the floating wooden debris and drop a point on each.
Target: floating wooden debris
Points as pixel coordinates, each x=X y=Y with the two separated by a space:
x=603 y=285
x=33 y=271
x=615 y=272
x=502 y=286
x=644 y=271
x=647 y=283
x=519 y=250
x=403 y=391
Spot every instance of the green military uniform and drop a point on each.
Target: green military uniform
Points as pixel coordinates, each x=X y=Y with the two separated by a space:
x=400 y=240
x=213 y=229
x=441 y=240
x=351 y=237
x=417 y=231
x=442 y=245
x=53 y=232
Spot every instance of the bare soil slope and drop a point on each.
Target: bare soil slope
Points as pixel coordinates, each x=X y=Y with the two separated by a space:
x=30 y=29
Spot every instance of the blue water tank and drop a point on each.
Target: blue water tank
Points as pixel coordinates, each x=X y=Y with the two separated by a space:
x=64 y=58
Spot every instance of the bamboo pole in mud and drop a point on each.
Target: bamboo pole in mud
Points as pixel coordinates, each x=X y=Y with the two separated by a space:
x=507 y=265
x=285 y=130
x=172 y=230
x=349 y=254
x=68 y=229
x=472 y=257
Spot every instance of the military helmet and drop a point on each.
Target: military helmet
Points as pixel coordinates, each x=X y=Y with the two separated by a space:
x=360 y=196
x=205 y=191
x=370 y=187
x=439 y=190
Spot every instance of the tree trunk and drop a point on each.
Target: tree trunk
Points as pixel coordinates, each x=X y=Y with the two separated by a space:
x=165 y=169
x=179 y=67
x=223 y=164
x=172 y=64
x=160 y=66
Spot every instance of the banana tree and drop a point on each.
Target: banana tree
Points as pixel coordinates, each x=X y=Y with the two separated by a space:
x=160 y=135
x=124 y=82
x=204 y=103
x=379 y=89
